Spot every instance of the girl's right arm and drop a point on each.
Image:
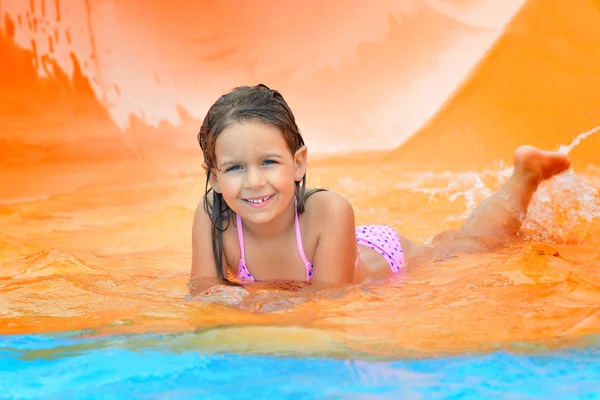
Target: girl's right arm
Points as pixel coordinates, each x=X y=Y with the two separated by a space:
x=204 y=269
x=203 y=260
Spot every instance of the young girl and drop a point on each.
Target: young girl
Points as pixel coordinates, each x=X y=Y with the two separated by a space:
x=259 y=222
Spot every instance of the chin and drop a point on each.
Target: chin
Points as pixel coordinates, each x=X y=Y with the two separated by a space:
x=260 y=215
x=260 y=218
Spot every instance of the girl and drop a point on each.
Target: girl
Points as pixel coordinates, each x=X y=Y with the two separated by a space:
x=259 y=222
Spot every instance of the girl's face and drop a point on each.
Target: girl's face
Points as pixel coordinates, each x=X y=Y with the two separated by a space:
x=256 y=173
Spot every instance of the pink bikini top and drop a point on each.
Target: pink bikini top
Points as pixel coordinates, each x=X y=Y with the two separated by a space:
x=243 y=272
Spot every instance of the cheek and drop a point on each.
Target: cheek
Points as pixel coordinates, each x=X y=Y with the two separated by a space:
x=227 y=185
x=281 y=177
x=287 y=185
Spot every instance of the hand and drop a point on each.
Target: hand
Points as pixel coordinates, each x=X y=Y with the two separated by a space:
x=222 y=294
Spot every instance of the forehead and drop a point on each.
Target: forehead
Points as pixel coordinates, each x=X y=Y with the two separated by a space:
x=245 y=139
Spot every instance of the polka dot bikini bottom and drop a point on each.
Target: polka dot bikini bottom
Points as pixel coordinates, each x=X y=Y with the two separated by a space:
x=385 y=240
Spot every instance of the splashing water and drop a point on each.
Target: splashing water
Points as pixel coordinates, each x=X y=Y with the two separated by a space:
x=565 y=209
x=567 y=149
x=573 y=219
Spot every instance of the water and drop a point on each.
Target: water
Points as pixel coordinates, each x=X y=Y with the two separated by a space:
x=355 y=344
x=567 y=149
x=139 y=366
x=117 y=255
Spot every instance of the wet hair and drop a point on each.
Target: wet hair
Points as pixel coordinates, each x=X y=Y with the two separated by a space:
x=243 y=104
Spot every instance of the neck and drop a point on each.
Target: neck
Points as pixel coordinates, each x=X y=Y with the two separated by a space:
x=276 y=228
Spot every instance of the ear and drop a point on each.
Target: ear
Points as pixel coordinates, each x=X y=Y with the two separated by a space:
x=213 y=181
x=300 y=163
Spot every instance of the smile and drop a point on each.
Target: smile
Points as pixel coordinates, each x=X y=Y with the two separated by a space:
x=259 y=200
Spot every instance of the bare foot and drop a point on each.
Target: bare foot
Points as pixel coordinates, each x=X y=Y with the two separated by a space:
x=540 y=165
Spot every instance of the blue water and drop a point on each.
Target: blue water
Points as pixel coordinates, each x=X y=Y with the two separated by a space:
x=156 y=367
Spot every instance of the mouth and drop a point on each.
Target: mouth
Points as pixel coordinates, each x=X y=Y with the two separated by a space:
x=258 y=201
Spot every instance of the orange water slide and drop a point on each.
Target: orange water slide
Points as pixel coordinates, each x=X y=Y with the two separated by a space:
x=539 y=84
x=104 y=78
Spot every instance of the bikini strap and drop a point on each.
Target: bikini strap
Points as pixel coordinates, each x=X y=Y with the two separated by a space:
x=307 y=263
x=240 y=238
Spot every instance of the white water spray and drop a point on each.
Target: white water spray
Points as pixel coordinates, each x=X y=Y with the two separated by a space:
x=566 y=149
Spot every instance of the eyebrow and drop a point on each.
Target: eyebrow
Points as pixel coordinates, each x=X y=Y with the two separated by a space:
x=234 y=162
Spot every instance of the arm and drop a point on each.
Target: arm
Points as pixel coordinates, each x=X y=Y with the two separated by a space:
x=336 y=252
x=203 y=260
x=204 y=270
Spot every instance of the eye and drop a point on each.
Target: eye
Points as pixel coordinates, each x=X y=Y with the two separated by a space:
x=233 y=168
x=269 y=162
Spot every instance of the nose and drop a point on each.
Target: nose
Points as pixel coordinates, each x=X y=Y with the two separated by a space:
x=255 y=179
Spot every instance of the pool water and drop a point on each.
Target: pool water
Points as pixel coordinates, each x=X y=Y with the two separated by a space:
x=142 y=367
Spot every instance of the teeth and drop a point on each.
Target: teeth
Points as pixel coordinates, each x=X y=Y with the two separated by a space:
x=259 y=200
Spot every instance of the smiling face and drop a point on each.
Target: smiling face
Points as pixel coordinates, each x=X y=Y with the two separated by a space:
x=256 y=172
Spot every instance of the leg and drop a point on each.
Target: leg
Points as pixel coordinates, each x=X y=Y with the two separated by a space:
x=499 y=217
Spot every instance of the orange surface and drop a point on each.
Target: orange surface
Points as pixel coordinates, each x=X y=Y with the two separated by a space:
x=100 y=172
x=538 y=84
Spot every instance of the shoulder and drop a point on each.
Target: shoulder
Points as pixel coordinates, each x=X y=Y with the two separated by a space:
x=203 y=222
x=332 y=218
x=203 y=260
x=327 y=206
x=201 y=215
x=204 y=209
